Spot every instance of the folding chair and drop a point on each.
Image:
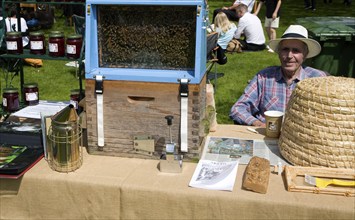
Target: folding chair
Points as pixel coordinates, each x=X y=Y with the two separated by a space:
x=79 y=28
x=212 y=47
x=79 y=24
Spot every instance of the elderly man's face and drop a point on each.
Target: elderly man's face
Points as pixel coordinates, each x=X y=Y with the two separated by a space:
x=292 y=53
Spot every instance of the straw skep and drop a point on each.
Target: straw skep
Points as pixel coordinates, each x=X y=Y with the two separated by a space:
x=319 y=123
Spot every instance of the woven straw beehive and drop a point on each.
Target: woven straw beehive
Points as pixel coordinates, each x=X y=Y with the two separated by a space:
x=319 y=123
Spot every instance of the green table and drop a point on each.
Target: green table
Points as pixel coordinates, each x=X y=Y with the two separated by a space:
x=337 y=38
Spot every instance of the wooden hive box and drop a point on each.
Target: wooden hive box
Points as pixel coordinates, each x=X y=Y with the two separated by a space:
x=137 y=109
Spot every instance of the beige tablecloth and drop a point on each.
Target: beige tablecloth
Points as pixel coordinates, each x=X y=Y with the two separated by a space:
x=127 y=188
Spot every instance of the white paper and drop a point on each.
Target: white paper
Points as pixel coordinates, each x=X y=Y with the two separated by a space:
x=44 y=107
x=215 y=175
x=227 y=149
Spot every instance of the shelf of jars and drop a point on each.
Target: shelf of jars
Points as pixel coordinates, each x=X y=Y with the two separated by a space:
x=55 y=46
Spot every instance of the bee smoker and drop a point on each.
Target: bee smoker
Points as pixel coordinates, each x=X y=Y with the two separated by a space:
x=65 y=139
x=171 y=160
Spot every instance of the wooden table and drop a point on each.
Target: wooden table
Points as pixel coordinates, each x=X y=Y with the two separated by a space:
x=127 y=188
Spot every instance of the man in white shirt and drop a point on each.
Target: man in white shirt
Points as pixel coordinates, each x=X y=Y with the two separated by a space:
x=230 y=11
x=11 y=26
x=250 y=27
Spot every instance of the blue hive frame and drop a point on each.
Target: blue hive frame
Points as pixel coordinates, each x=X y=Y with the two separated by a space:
x=194 y=72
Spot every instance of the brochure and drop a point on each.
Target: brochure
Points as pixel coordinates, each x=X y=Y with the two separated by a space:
x=217 y=169
x=20 y=133
x=215 y=175
x=16 y=160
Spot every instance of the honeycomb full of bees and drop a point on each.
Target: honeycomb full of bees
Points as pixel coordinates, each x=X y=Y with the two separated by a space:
x=147 y=37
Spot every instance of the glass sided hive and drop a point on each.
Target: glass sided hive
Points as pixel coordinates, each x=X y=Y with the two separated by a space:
x=137 y=53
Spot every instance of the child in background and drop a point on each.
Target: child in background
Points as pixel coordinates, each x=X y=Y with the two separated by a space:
x=225 y=30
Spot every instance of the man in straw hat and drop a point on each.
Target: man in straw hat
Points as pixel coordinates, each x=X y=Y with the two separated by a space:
x=271 y=88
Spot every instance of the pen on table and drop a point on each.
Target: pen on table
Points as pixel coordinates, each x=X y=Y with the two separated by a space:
x=252 y=130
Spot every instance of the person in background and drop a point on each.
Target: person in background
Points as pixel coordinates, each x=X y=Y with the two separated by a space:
x=271 y=88
x=230 y=11
x=225 y=30
x=11 y=26
x=310 y=4
x=347 y=2
x=272 y=17
x=32 y=21
x=249 y=26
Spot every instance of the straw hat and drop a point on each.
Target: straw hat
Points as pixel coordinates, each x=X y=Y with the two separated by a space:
x=298 y=32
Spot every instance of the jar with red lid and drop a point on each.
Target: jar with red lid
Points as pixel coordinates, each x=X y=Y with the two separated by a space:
x=74 y=44
x=56 y=44
x=31 y=93
x=14 y=43
x=10 y=99
x=37 y=43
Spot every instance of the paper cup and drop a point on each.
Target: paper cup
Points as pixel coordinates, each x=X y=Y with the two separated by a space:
x=273 y=123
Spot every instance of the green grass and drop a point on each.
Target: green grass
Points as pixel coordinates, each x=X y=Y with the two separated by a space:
x=242 y=67
x=56 y=80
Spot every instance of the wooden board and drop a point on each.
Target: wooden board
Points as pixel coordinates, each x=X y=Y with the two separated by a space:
x=295 y=180
x=138 y=109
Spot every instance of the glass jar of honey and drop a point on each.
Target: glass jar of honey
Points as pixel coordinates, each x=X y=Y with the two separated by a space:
x=56 y=44
x=14 y=43
x=74 y=44
x=10 y=99
x=31 y=93
x=37 y=43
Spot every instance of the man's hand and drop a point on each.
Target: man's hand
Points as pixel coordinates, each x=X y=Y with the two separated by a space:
x=259 y=124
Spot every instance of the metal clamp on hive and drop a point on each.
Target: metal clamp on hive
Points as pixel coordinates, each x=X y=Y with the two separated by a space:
x=99 y=90
x=184 y=100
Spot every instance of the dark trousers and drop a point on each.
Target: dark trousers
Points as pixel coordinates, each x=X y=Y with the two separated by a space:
x=231 y=14
x=221 y=56
x=251 y=47
x=308 y=3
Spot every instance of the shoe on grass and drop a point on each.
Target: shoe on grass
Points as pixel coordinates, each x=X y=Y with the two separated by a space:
x=269 y=49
